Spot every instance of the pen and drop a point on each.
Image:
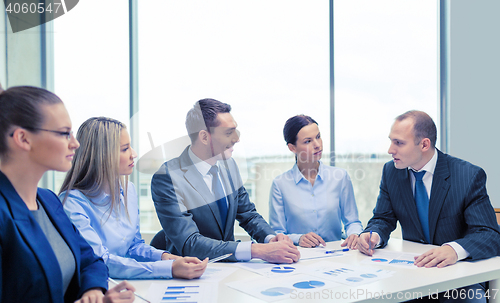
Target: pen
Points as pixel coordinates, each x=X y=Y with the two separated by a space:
x=370 y=242
x=220 y=258
x=336 y=250
x=116 y=283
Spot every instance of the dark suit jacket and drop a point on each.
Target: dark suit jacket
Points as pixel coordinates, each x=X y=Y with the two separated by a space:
x=29 y=270
x=459 y=208
x=190 y=216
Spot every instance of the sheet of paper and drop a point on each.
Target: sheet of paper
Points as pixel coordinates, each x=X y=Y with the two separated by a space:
x=273 y=289
x=345 y=273
x=216 y=273
x=318 y=252
x=176 y=291
x=392 y=258
x=268 y=269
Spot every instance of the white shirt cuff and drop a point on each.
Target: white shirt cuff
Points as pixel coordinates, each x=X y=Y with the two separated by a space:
x=459 y=250
x=268 y=238
x=243 y=251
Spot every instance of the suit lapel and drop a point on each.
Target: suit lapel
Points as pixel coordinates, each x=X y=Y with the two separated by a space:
x=439 y=191
x=404 y=184
x=33 y=236
x=194 y=178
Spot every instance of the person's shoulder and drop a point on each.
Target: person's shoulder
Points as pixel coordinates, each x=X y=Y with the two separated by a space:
x=74 y=196
x=460 y=165
x=284 y=177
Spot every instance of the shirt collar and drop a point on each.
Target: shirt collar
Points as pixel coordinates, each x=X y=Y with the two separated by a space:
x=202 y=166
x=297 y=175
x=431 y=165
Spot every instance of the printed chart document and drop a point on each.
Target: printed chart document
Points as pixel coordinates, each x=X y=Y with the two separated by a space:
x=268 y=269
x=352 y=275
x=320 y=252
x=392 y=258
x=176 y=291
x=273 y=289
x=216 y=273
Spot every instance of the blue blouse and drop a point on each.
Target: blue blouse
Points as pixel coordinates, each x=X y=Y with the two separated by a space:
x=297 y=208
x=116 y=237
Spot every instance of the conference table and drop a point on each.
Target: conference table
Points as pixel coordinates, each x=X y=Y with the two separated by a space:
x=404 y=284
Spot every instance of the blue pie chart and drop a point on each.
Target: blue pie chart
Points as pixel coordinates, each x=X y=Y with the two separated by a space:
x=368 y=276
x=354 y=279
x=276 y=291
x=309 y=284
x=283 y=269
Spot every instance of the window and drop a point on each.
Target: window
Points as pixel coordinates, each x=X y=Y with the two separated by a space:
x=386 y=63
x=268 y=59
x=91 y=64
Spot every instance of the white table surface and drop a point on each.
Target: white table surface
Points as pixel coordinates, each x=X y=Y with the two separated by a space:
x=404 y=282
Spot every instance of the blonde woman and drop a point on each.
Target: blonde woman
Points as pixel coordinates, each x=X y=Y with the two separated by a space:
x=100 y=201
x=43 y=257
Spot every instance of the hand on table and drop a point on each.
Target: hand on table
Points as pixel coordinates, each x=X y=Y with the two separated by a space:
x=351 y=242
x=188 y=267
x=281 y=237
x=168 y=256
x=439 y=257
x=311 y=240
x=276 y=252
x=121 y=293
x=363 y=245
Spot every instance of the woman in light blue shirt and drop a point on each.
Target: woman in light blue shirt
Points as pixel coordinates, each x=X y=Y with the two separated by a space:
x=311 y=201
x=103 y=205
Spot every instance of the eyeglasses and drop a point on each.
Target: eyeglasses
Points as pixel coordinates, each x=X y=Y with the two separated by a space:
x=65 y=134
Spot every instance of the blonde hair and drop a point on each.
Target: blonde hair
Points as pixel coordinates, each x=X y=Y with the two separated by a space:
x=95 y=168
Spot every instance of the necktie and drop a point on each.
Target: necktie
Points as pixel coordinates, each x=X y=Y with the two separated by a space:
x=422 y=201
x=218 y=192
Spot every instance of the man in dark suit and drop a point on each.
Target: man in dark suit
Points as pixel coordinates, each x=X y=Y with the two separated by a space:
x=437 y=199
x=200 y=194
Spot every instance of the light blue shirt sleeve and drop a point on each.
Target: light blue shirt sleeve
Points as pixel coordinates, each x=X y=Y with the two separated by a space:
x=116 y=237
x=297 y=208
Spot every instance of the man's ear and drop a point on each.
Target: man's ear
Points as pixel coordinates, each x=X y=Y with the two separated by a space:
x=22 y=139
x=426 y=144
x=204 y=137
x=292 y=148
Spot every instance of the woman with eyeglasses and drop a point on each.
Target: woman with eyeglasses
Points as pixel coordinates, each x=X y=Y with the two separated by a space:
x=103 y=204
x=44 y=258
x=311 y=201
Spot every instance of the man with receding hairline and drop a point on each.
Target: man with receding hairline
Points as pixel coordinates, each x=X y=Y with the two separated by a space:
x=438 y=199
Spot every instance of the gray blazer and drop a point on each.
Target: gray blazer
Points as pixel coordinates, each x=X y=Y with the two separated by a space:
x=189 y=214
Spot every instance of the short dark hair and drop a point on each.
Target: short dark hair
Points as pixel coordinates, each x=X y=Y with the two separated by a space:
x=294 y=125
x=423 y=126
x=21 y=106
x=203 y=116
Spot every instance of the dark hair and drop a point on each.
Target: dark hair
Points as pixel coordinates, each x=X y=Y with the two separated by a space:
x=21 y=106
x=294 y=125
x=203 y=116
x=423 y=126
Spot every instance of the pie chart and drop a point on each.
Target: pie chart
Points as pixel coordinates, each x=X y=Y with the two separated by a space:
x=354 y=279
x=379 y=260
x=276 y=291
x=283 y=269
x=368 y=276
x=309 y=284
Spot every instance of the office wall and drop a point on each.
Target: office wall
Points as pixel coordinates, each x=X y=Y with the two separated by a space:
x=474 y=81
